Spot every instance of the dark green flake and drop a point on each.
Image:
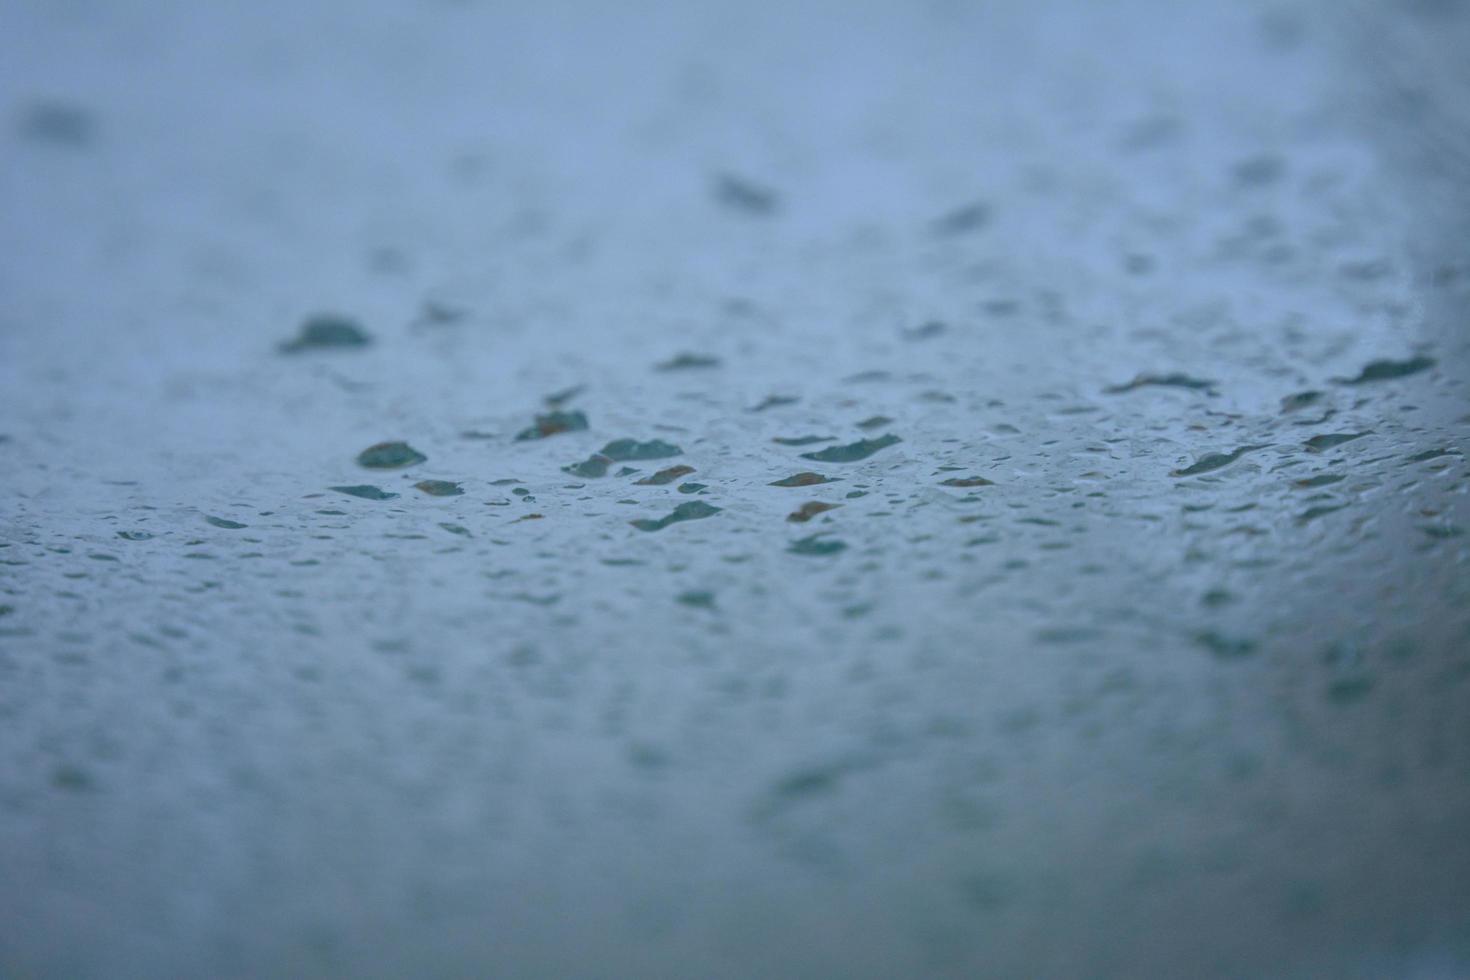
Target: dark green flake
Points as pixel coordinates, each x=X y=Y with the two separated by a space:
x=745 y=195
x=965 y=218
x=389 y=456
x=774 y=401
x=924 y=331
x=1175 y=380
x=1388 y=370
x=1346 y=690
x=559 y=398
x=365 y=491
x=1300 y=400
x=591 y=467
x=815 y=546
x=59 y=123
x=624 y=450
x=802 y=440
x=71 y=778
x=692 y=511
x=327 y=332
x=1322 y=443
x=1225 y=647
x=852 y=452
x=685 y=362
x=1214 y=461
x=665 y=476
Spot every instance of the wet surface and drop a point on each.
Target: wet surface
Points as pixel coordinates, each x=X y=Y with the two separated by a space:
x=1130 y=339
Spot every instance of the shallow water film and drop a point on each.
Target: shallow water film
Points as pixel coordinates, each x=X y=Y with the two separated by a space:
x=701 y=489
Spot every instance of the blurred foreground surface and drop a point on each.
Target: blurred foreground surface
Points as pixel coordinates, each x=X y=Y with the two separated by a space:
x=1132 y=341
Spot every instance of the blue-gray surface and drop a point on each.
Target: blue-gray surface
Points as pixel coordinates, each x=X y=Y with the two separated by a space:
x=1142 y=650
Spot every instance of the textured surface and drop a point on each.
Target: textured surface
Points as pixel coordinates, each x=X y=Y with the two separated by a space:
x=1117 y=659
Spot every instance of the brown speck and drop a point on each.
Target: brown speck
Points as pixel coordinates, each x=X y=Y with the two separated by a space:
x=809 y=510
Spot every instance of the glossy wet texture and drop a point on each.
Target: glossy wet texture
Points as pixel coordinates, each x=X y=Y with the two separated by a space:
x=867 y=490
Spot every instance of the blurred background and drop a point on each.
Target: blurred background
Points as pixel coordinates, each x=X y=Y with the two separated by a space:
x=665 y=489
